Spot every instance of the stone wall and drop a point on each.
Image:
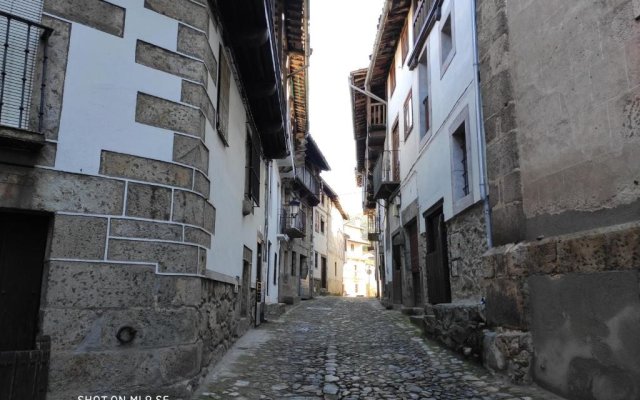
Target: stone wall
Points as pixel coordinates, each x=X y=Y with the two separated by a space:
x=561 y=115
x=579 y=297
x=467 y=243
x=457 y=326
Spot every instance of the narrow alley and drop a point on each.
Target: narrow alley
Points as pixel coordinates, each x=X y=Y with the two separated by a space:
x=349 y=348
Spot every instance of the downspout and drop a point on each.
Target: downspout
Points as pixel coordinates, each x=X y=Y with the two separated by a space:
x=267 y=216
x=480 y=133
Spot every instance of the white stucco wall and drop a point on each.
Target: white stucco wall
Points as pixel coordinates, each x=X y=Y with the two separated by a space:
x=425 y=163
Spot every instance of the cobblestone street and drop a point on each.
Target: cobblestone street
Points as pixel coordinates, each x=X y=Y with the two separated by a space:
x=341 y=348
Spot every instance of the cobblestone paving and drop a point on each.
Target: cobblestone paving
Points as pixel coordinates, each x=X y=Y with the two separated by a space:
x=340 y=348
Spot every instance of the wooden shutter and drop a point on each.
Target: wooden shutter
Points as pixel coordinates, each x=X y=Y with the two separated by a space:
x=224 y=87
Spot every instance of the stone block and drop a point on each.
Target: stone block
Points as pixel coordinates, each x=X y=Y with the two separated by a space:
x=79 y=237
x=623 y=248
x=49 y=190
x=57 y=56
x=174 y=291
x=197 y=236
x=148 y=201
x=209 y=217
x=505 y=304
x=190 y=151
x=97 y=14
x=170 y=257
x=202 y=261
x=68 y=328
x=73 y=285
x=502 y=156
x=154 y=328
x=511 y=187
x=196 y=95
x=508 y=223
x=130 y=228
x=582 y=253
x=156 y=57
x=585 y=329
x=497 y=93
x=509 y=352
x=184 y=11
x=196 y=44
x=201 y=184
x=145 y=169
x=127 y=371
x=165 y=114
x=188 y=208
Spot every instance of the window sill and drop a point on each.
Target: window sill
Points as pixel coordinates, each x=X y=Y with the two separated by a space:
x=21 y=139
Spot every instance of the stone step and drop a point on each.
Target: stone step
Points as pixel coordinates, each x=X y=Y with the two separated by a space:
x=418 y=320
x=412 y=310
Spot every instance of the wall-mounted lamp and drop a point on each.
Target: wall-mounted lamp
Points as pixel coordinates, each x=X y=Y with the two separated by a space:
x=294 y=208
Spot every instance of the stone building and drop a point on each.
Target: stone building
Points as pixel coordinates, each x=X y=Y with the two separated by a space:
x=562 y=118
x=139 y=204
x=328 y=243
x=420 y=162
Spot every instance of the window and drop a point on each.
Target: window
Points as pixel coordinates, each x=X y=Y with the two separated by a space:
x=353 y=247
x=316 y=221
x=293 y=263
x=252 y=169
x=424 y=79
x=447 y=43
x=404 y=43
x=335 y=269
x=460 y=162
x=392 y=77
x=322 y=223
x=408 y=116
x=315 y=259
x=224 y=88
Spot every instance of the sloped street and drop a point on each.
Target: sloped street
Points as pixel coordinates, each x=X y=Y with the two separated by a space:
x=345 y=348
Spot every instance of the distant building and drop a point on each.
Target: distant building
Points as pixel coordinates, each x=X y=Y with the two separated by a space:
x=359 y=274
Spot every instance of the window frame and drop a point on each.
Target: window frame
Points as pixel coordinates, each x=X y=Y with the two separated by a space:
x=445 y=61
x=392 y=77
x=407 y=106
x=253 y=161
x=460 y=203
x=404 y=42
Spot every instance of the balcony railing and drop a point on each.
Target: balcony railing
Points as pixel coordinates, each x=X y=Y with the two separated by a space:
x=373 y=228
x=20 y=65
x=308 y=180
x=377 y=115
x=293 y=225
x=420 y=17
x=386 y=174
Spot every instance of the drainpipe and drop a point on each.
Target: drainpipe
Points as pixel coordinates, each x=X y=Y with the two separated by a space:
x=480 y=133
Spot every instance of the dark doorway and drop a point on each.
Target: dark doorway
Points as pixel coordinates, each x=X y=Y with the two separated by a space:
x=259 y=289
x=412 y=230
x=24 y=354
x=438 y=285
x=245 y=286
x=397 y=274
x=323 y=273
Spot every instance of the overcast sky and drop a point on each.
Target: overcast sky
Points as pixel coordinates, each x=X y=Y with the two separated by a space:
x=342 y=35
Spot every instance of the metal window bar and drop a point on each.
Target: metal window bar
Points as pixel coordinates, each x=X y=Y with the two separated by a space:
x=465 y=171
x=19 y=55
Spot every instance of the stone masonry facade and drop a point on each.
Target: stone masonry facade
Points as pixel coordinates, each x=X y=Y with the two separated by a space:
x=561 y=121
x=128 y=247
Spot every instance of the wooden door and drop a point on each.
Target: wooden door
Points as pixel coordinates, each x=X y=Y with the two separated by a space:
x=24 y=353
x=397 y=275
x=412 y=230
x=323 y=273
x=438 y=284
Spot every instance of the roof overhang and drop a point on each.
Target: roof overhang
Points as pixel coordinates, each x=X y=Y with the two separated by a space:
x=249 y=33
x=359 y=114
x=390 y=24
x=315 y=156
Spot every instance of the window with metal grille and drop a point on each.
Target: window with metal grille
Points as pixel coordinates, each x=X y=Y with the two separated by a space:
x=252 y=169
x=20 y=32
x=460 y=162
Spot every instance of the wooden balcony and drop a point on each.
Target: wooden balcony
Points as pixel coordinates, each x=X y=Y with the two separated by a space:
x=376 y=124
x=386 y=174
x=293 y=225
x=420 y=17
x=307 y=185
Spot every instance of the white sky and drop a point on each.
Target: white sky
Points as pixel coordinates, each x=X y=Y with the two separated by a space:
x=342 y=34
